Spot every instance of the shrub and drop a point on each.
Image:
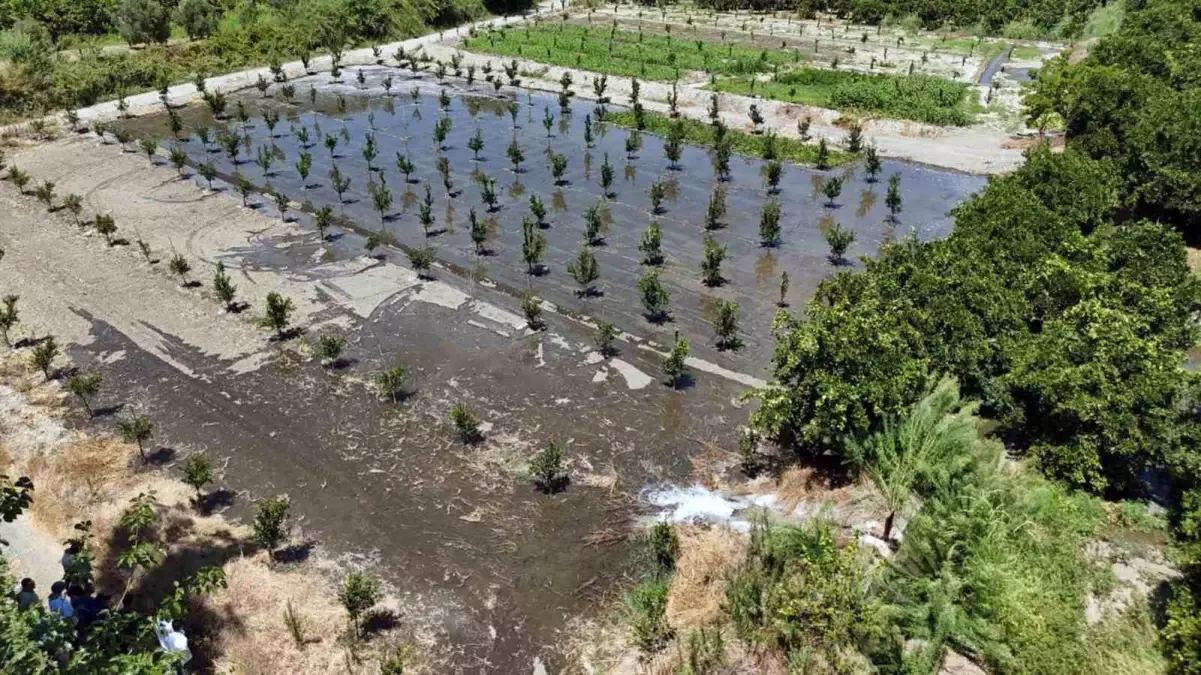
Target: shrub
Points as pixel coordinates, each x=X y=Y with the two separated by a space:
x=270 y=522
x=546 y=469
x=359 y=593
x=648 y=609
x=664 y=545
x=198 y=18
x=198 y=471
x=143 y=21
x=466 y=423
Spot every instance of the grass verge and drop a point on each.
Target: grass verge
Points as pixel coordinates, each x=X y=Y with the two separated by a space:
x=921 y=98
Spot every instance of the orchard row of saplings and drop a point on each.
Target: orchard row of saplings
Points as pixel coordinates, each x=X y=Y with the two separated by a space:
x=584 y=269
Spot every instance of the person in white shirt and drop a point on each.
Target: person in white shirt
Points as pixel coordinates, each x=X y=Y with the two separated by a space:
x=59 y=603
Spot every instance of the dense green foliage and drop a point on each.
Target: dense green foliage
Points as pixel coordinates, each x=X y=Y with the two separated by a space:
x=917 y=97
x=246 y=34
x=1132 y=103
x=1063 y=302
x=1069 y=329
x=993 y=564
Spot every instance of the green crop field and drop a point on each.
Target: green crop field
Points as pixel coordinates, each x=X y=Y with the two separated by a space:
x=922 y=98
x=628 y=53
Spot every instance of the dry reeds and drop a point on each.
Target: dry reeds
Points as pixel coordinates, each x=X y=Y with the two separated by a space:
x=707 y=556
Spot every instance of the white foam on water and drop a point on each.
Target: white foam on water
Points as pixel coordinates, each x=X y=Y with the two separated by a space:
x=693 y=504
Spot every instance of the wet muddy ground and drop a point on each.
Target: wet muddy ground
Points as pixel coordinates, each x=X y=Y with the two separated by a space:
x=752 y=272
x=488 y=566
x=484 y=566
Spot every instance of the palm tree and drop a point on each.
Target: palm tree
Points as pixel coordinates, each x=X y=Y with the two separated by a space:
x=936 y=435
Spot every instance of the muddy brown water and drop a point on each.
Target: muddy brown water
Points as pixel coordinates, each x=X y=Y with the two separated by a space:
x=489 y=567
x=493 y=569
x=928 y=195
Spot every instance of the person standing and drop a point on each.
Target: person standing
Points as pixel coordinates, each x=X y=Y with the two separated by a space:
x=59 y=603
x=27 y=597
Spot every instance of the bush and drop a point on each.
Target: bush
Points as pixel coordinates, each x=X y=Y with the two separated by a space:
x=142 y=22
x=466 y=423
x=198 y=18
x=664 y=545
x=648 y=607
x=359 y=593
x=546 y=469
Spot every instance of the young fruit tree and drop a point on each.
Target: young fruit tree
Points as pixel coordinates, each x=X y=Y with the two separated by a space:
x=278 y=313
x=478 y=232
x=422 y=259
x=531 y=306
x=655 y=297
x=391 y=382
x=769 y=224
x=533 y=245
x=839 y=239
x=198 y=471
x=44 y=354
x=106 y=225
x=329 y=348
x=137 y=429
x=725 y=326
x=651 y=245
x=467 y=425
x=359 y=593
x=546 y=469
x=893 y=198
x=10 y=316
x=674 y=365
x=223 y=287
x=711 y=264
x=180 y=267
x=871 y=163
x=593 y=224
x=585 y=270
x=270 y=527
x=85 y=387
x=831 y=189
x=538 y=210
x=606 y=335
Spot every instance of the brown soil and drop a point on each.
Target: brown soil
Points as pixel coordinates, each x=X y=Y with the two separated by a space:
x=485 y=570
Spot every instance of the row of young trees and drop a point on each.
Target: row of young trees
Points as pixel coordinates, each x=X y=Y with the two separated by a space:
x=584 y=268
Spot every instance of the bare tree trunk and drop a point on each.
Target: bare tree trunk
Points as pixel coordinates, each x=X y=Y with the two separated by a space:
x=888 y=525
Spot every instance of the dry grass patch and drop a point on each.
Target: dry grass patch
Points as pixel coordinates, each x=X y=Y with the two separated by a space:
x=698 y=588
x=258 y=597
x=77 y=477
x=1193 y=255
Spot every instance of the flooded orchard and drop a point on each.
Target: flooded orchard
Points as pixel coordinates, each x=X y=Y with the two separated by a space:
x=402 y=120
